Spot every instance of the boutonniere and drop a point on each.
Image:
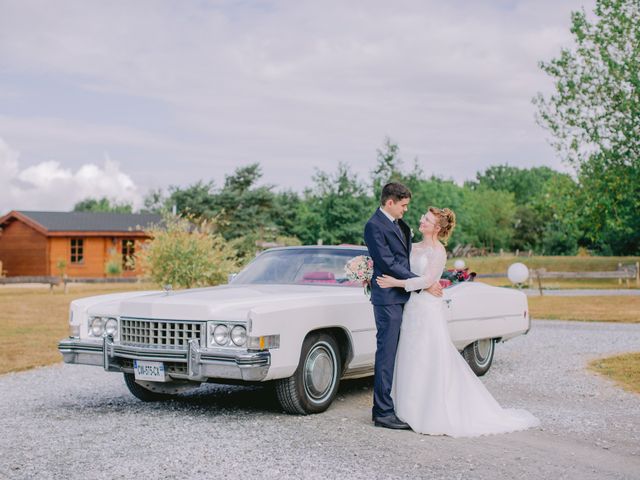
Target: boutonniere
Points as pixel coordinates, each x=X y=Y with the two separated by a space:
x=411 y=231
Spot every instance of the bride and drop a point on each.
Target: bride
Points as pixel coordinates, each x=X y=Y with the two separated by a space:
x=434 y=390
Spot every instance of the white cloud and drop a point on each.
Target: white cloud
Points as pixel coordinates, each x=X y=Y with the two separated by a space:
x=49 y=186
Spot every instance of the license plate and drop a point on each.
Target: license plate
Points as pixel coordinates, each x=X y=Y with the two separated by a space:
x=151 y=371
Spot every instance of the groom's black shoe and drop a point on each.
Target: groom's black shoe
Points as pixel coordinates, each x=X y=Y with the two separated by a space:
x=391 y=421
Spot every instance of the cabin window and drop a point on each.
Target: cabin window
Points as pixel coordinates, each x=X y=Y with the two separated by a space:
x=77 y=250
x=128 y=258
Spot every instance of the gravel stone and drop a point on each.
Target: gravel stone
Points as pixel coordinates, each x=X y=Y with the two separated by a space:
x=79 y=422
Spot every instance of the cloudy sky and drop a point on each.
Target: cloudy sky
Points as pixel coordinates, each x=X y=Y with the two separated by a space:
x=113 y=98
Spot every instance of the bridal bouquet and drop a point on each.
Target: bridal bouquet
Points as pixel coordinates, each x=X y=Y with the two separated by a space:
x=453 y=276
x=360 y=269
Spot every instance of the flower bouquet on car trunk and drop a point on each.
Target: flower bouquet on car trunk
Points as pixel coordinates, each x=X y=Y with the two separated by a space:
x=453 y=275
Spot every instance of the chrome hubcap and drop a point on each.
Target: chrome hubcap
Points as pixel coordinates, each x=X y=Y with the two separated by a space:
x=319 y=372
x=483 y=350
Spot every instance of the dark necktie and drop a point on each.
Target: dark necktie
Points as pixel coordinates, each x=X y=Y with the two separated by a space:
x=395 y=222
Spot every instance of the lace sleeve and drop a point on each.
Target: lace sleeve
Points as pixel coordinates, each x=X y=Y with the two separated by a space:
x=436 y=260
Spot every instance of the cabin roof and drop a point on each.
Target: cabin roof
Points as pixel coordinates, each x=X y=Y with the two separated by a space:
x=49 y=222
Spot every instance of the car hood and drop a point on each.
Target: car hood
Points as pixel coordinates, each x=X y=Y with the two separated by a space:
x=228 y=302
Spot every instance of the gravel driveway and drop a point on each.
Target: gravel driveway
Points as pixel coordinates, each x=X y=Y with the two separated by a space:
x=71 y=422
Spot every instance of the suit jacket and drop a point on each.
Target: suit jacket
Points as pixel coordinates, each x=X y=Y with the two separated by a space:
x=390 y=254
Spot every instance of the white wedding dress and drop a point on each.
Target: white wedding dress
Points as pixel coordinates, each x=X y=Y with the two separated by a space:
x=434 y=390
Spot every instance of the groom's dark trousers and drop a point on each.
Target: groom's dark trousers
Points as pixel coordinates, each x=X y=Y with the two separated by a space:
x=389 y=245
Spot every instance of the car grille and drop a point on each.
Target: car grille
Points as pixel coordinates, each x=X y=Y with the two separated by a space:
x=160 y=333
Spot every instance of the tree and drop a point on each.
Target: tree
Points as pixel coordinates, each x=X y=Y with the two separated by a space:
x=155 y=202
x=242 y=207
x=195 y=201
x=435 y=192
x=285 y=206
x=524 y=183
x=486 y=218
x=558 y=208
x=102 y=205
x=528 y=228
x=593 y=117
x=389 y=168
x=528 y=186
x=335 y=209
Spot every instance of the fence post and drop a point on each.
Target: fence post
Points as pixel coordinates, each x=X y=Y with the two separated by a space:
x=619 y=279
x=539 y=275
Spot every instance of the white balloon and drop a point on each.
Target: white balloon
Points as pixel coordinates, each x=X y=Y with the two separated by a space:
x=518 y=273
x=459 y=265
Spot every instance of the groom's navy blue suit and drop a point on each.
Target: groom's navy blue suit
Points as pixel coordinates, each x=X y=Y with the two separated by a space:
x=389 y=245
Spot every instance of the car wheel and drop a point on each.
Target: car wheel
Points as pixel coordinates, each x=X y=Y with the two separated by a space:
x=142 y=393
x=479 y=355
x=313 y=386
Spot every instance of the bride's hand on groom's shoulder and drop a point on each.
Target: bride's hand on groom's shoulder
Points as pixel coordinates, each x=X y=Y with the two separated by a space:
x=387 y=281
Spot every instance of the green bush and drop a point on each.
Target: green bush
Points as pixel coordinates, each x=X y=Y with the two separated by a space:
x=113 y=265
x=185 y=255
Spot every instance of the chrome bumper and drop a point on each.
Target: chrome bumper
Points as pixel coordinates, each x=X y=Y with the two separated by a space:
x=201 y=364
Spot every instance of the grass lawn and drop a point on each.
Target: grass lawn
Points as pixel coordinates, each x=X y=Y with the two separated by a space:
x=589 y=309
x=33 y=320
x=623 y=369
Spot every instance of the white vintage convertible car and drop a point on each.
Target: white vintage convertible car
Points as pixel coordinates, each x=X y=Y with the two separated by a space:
x=291 y=317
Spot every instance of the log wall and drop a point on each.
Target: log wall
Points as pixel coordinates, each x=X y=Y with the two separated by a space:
x=23 y=250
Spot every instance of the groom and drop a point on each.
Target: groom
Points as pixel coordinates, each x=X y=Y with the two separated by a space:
x=388 y=239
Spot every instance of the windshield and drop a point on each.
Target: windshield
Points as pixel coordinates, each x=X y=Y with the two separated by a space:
x=317 y=266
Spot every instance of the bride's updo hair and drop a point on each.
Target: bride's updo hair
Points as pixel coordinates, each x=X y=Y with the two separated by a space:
x=446 y=220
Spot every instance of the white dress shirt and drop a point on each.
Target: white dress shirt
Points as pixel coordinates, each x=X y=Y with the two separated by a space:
x=386 y=214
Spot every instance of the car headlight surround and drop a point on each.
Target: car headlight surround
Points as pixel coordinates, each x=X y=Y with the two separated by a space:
x=111 y=326
x=99 y=325
x=221 y=334
x=228 y=334
x=239 y=335
x=96 y=326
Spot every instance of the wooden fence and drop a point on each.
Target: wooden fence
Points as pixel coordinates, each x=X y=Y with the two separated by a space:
x=52 y=281
x=471 y=251
x=626 y=273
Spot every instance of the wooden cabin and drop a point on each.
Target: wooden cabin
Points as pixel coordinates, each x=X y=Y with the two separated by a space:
x=39 y=243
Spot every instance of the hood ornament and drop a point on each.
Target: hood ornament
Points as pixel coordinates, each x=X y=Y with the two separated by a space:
x=167 y=289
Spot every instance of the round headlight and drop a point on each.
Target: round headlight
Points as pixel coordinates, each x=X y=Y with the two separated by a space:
x=239 y=335
x=111 y=326
x=221 y=334
x=96 y=327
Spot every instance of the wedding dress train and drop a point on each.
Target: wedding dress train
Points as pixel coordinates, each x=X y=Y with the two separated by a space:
x=434 y=390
